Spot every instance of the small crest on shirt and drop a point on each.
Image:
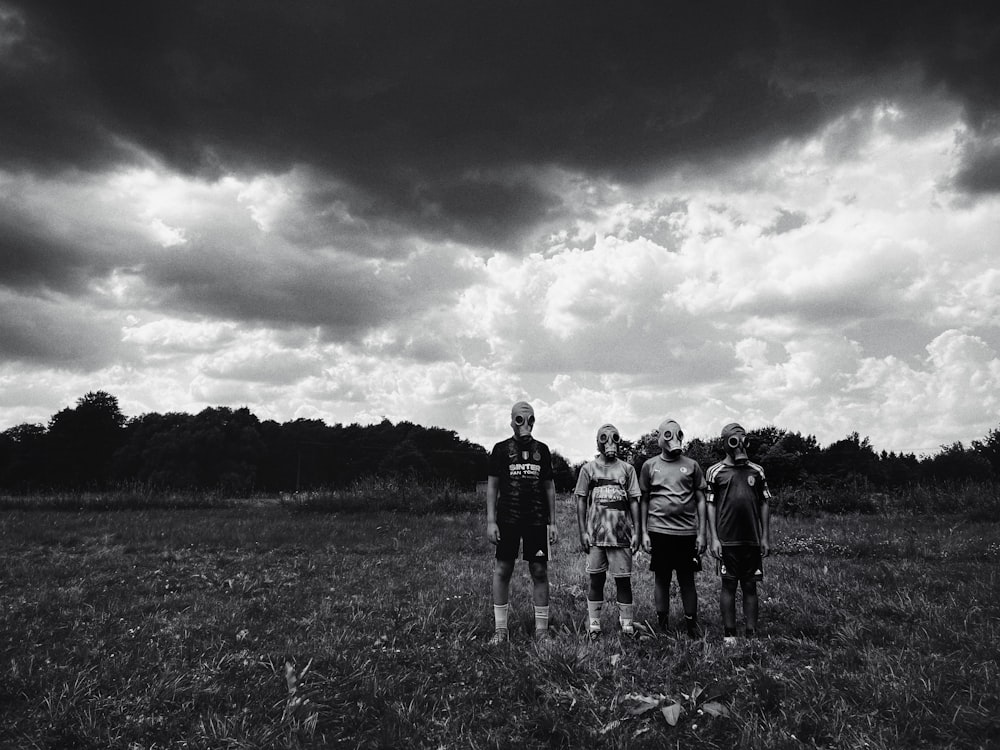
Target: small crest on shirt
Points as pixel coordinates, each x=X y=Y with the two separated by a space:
x=536 y=456
x=683 y=469
x=751 y=480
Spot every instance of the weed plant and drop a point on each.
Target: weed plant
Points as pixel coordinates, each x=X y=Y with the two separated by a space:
x=268 y=627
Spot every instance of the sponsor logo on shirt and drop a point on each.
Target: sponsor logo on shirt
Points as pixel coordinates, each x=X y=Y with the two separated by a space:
x=751 y=480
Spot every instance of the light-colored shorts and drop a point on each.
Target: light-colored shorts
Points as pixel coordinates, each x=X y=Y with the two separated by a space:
x=616 y=559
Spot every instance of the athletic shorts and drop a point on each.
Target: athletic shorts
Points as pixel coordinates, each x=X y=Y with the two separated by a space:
x=535 y=547
x=669 y=553
x=741 y=563
x=616 y=559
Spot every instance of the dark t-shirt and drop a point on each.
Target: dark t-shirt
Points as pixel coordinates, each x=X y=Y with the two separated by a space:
x=523 y=471
x=738 y=493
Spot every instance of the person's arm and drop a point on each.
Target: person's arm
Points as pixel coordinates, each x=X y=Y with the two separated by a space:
x=550 y=496
x=701 y=509
x=633 y=506
x=581 y=522
x=492 y=530
x=765 y=535
x=713 y=528
x=644 y=519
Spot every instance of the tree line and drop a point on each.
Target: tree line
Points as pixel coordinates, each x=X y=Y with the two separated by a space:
x=791 y=459
x=93 y=446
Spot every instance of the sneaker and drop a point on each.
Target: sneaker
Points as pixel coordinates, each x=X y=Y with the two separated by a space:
x=628 y=629
x=595 y=634
x=499 y=636
x=729 y=640
x=693 y=628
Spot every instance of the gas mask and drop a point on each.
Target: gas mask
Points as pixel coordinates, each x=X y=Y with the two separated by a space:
x=522 y=420
x=607 y=440
x=734 y=440
x=669 y=437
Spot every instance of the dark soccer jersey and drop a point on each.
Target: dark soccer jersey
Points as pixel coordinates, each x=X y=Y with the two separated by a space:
x=738 y=492
x=522 y=471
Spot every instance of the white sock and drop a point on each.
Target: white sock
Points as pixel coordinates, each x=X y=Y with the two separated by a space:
x=594 y=612
x=500 y=615
x=541 y=617
x=625 y=614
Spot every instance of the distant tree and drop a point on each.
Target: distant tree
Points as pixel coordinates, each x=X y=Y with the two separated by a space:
x=848 y=459
x=955 y=463
x=989 y=449
x=83 y=440
x=23 y=457
x=562 y=473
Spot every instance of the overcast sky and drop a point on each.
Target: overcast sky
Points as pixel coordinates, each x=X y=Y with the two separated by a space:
x=776 y=213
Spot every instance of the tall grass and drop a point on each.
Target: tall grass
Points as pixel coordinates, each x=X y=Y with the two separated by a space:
x=249 y=627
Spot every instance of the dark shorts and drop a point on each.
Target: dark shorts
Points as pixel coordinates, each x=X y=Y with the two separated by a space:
x=669 y=553
x=535 y=547
x=741 y=563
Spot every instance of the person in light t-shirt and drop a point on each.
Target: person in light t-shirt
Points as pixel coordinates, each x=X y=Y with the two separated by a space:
x=673 y=523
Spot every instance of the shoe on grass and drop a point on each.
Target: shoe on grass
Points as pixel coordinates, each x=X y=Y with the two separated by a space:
x=499 y=636
x=729 y=641
x=628 y=629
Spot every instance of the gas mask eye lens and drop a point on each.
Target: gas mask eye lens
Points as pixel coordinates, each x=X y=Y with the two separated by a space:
x=614 y=437
x=519 y=420
x=668 y=435
x=531 y=421
x=736 y=442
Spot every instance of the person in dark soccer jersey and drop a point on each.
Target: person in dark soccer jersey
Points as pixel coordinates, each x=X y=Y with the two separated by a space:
x=673 y=523
x=520 y=514
x=739 y=517
x=607 y=501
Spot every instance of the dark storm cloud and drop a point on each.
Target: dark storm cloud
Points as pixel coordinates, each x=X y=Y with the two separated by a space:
x=428 y=109
x=33 y=259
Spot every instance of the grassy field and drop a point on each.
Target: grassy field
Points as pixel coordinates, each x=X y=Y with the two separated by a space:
x=263 y=627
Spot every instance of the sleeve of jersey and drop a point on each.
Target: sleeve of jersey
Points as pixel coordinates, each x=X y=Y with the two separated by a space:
x=644 y=478
x=632 y=482
x=546 y=472
x=764 y=492
x=583 y=482
x=699 y=478
x=496 y=461
x=710 y=485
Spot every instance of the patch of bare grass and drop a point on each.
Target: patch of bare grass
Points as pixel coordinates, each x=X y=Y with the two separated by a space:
x=265 y=627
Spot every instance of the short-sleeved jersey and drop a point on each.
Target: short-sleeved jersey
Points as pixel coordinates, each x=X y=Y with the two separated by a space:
x=738 y=492
x=522 y=471
x=608 y=489
x=672 y=487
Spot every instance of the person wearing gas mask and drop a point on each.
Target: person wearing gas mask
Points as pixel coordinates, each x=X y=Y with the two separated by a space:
x=520 y=514
x=607 y=501
x=739 y=518
x=673 y=523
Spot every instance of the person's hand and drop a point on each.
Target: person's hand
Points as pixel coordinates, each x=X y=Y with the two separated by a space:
x=553 y=534
x=585 y=542
x=716 y=549
x=765 y=547
x=647 y=543
x=701 y=544
x=635 y=544
x=492 y=533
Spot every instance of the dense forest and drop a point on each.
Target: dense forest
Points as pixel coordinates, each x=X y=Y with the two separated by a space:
x=93 y=446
